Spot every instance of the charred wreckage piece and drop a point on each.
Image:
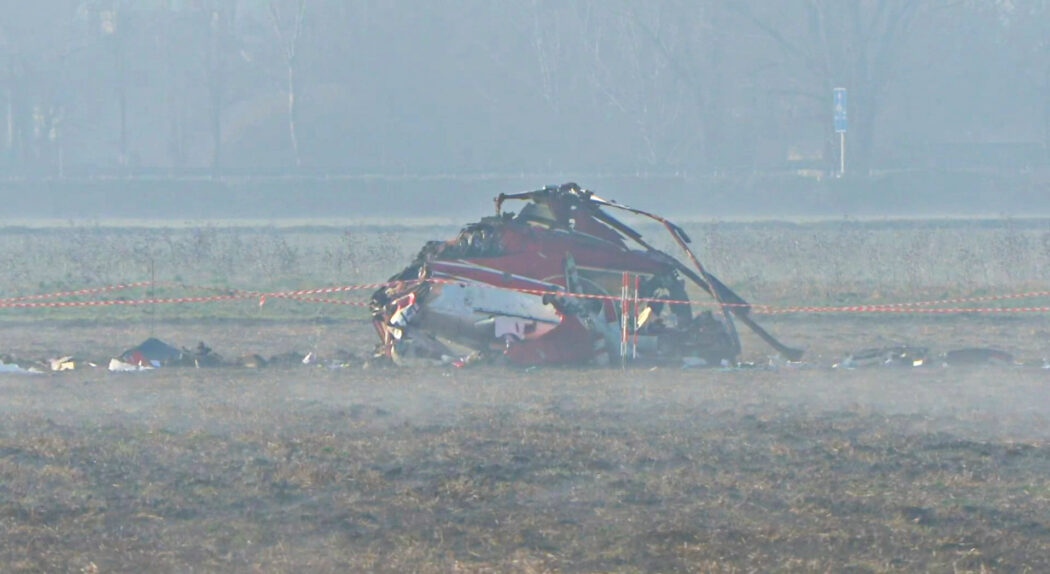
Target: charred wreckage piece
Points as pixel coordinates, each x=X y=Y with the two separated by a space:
x=534 y=288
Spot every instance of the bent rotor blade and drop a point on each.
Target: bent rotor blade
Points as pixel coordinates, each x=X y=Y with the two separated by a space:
x=671 y=226
x=726 y=297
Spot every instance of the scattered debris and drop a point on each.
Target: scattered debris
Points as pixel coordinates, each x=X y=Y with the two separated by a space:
x=897 y=356
x=156 y=353
x=975 y=356
x=251 y=361
x=143 y=358
x=287 y=358
x=152 y=353
x=12 y=367
x=67 y=363
x=201 y=356
x=118 y=366
x=545 y=286
x=908 y=356
x=342 y=359
x=691 y=362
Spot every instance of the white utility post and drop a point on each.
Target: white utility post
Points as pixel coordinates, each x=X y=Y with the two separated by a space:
x=840 y=126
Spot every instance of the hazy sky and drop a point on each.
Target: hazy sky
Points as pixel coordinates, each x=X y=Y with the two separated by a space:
x=509 y=86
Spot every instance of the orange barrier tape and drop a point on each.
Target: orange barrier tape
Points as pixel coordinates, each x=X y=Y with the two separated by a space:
x=167 y=300
x=978 y=299
x=584 y=295
x=110 y=302
x=924 y=307
x=342 y=288
x=761 y=309
x=769 y=310
x=263 y=296
x=82 y=291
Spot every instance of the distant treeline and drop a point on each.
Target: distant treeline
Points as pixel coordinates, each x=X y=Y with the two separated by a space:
x=261 y=87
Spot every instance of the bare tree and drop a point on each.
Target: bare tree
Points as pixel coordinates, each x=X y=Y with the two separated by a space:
x=646 y=64
x=36 y=43
x=289 y=40
x=114 y=27
x=175 y=35
x=1028 y=25
x=547 y=41
x=220 y=16
x=663 y=64
x=850 y=44
x=9 y=93
x=18 y=130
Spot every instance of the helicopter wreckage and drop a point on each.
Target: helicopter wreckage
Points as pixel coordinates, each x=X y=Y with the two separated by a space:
x=548 y=285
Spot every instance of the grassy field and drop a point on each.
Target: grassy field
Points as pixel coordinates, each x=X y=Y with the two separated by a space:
x=792 y=469
x=768 y=262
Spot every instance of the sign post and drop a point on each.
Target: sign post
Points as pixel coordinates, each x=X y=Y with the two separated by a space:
x=840 y=125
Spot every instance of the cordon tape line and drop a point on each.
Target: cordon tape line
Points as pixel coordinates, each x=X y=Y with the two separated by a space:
x=264 y=296
x=344 y=288
x=763 y=309
x=90 y=291
x=29 y=301
x=170 y=300
x=1025 y=295
x=884 y=309
x=227 y=294
x=978 y=299
x=601 y=296
x=119 y=287
x=112 y=302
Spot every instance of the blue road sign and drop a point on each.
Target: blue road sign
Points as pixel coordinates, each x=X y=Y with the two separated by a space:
x=840 y=110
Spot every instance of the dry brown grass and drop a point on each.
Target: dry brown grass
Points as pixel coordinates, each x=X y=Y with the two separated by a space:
x=554 y=470
x=558 y=470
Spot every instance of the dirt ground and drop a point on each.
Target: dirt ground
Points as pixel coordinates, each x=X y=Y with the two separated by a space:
x=305 y=468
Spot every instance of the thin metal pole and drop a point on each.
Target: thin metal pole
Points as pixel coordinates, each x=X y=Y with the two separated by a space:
x=152 y=295
x=624 y=309
x=634 y=320
x=842 y=153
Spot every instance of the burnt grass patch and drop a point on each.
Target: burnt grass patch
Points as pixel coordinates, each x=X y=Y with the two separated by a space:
x=574 y=471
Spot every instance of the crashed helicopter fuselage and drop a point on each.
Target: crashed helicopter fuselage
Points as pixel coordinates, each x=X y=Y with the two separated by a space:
x=545 y=286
